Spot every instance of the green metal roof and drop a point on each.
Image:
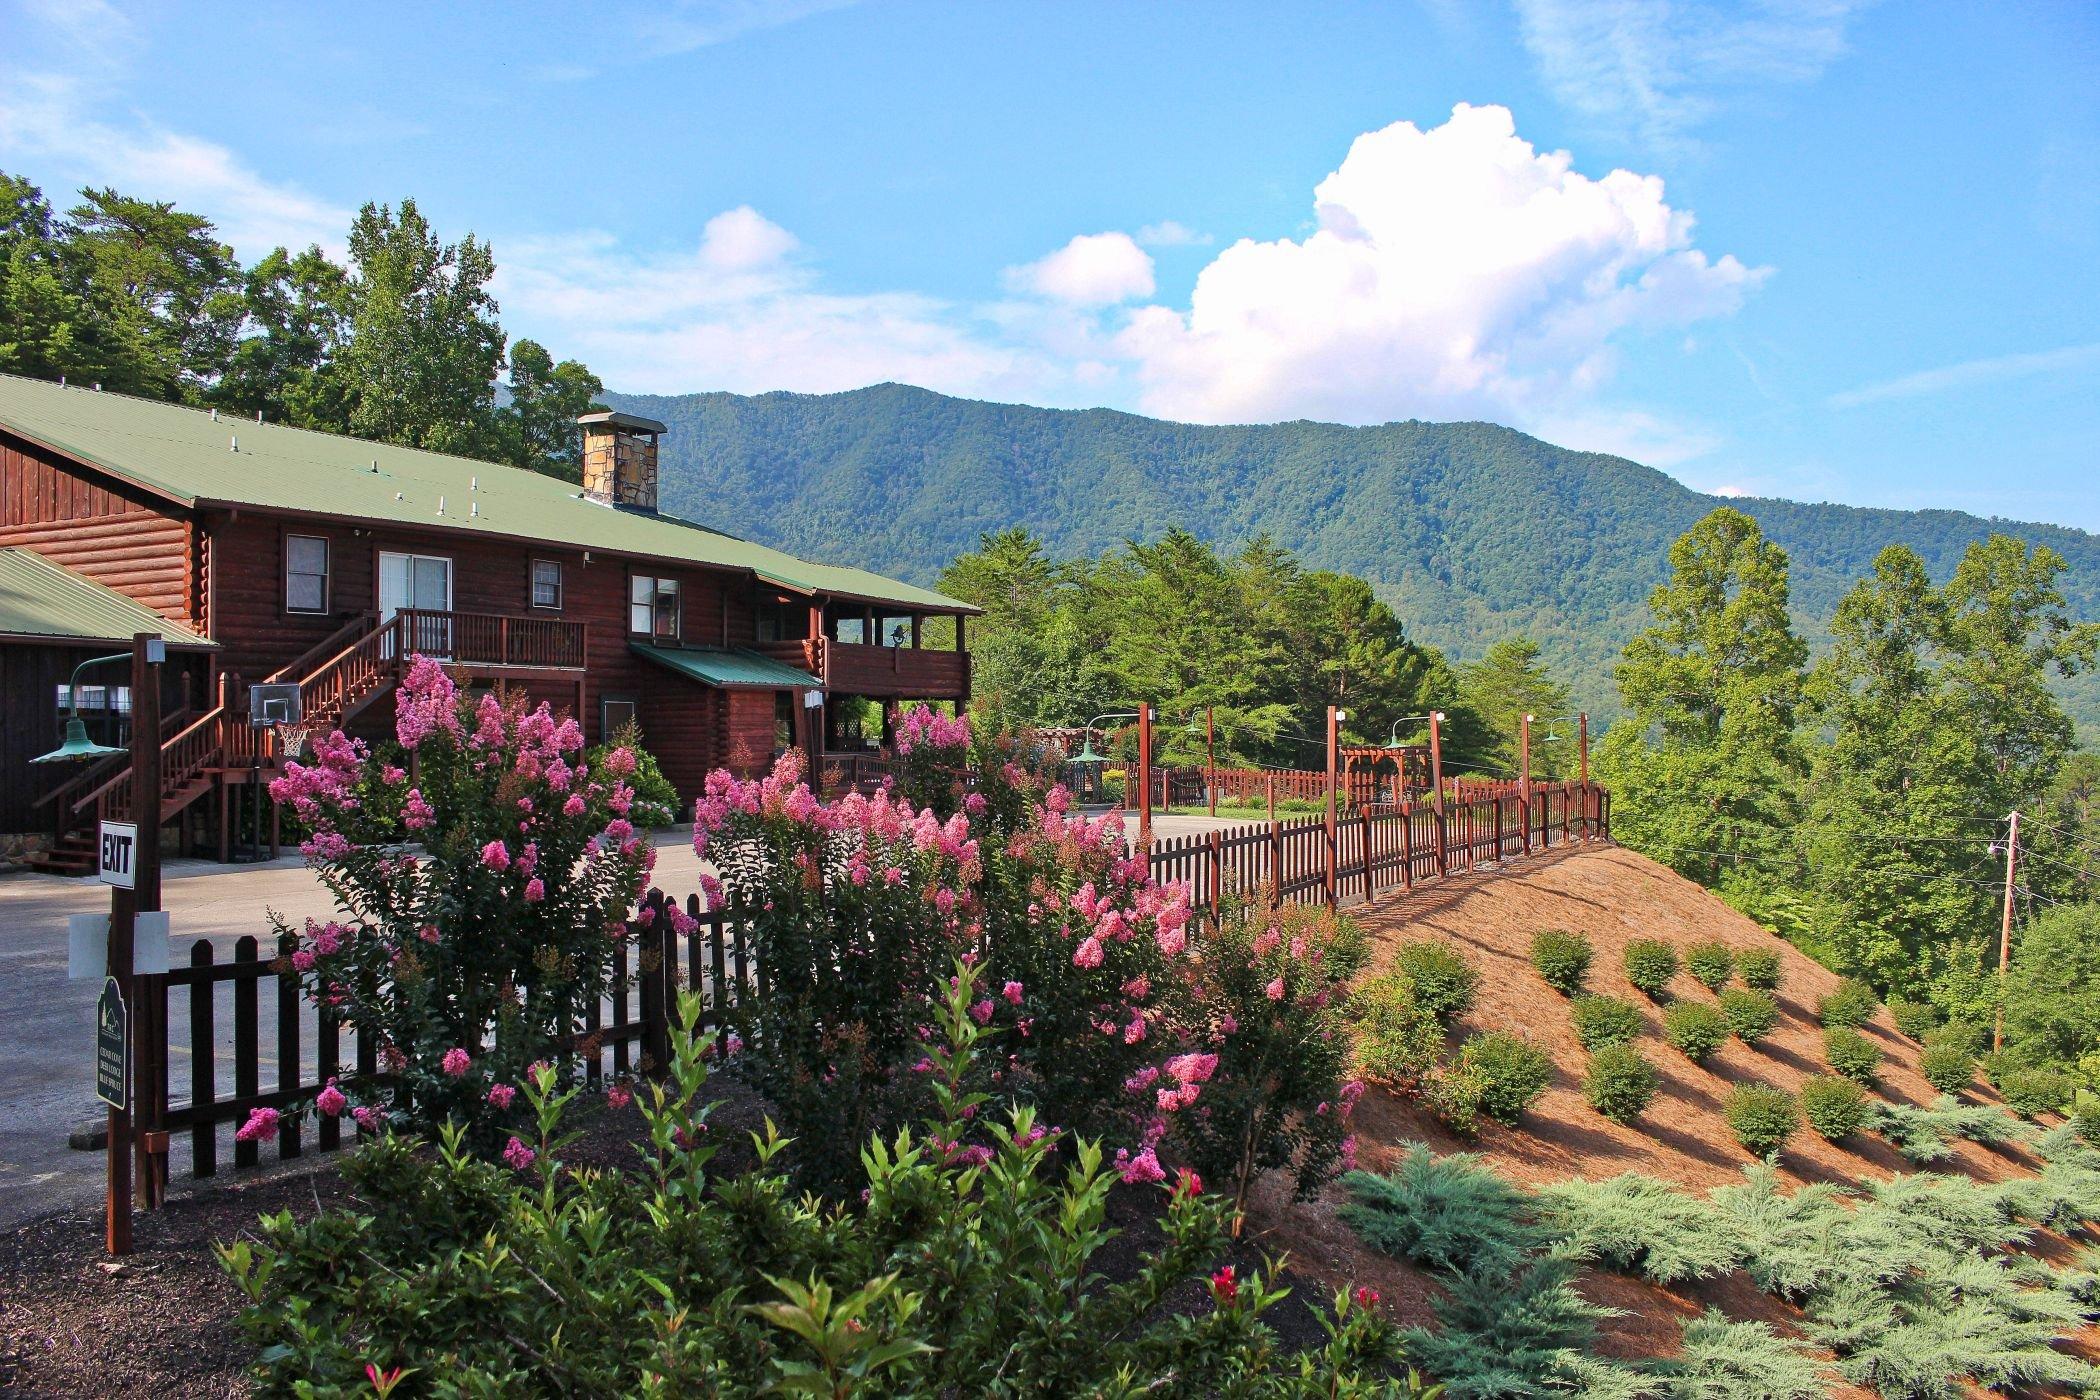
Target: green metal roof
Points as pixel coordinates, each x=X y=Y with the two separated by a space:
x=195 y=458
x=40 y=599
x=731 y=668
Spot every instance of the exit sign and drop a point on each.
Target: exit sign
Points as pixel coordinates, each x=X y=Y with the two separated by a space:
x=119 y=851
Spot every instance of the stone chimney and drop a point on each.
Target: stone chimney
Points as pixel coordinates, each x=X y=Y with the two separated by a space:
x=619 y=459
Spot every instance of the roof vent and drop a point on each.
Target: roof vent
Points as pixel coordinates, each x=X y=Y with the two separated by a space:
x=234 y=445
x=619 y=459
x=441 y=505
x=474 y=510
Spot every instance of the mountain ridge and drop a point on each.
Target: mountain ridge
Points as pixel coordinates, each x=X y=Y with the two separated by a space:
x=1471 y=530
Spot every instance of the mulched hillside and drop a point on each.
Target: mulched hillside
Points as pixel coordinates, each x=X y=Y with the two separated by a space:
x=1613 y=896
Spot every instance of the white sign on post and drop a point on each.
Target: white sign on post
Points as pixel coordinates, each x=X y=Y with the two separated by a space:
x=119 y=844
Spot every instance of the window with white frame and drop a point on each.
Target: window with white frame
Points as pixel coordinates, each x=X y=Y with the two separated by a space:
x=306 y=573
x=546 y=584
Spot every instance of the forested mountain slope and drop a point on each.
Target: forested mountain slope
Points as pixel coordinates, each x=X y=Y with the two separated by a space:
x=1472 y=531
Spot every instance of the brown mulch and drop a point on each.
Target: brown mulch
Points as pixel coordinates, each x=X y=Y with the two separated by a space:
x=1613 y=896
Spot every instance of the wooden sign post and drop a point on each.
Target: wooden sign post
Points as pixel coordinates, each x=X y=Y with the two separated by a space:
x=130 y=864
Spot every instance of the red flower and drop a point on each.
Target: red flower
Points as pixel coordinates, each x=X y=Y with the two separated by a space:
x=1187 y=1183
x=1225 y=1286
x=1367 y=1298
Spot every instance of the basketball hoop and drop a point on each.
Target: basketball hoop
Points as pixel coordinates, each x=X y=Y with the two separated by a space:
x=291 y=739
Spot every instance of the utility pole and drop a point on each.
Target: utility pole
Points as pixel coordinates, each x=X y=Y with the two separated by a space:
x=2012 y=866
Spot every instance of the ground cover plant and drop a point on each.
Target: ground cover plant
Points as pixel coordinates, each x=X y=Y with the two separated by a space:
x=963 y=1269
x=1696 y=1029
x=1711 y=964
x=1620 y=1082
x=1917 y=1285
x=1601 y=1021
x=1926 y=1135
x=1563 y=959
x=1651 y=965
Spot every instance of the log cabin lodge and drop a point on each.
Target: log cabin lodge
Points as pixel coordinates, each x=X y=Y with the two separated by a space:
x=264 y=553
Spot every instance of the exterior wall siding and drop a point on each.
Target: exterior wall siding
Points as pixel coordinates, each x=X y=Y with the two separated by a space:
x=124 y=539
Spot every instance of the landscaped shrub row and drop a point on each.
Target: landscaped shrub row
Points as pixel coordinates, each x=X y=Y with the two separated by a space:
x=1620 y=1083
x=1512 y=1072
x=1562 y=958
x=1759 y=968
x=1852 y=1054
x=1761 y=1117
x=2029 y=1092
x=1948 y=1067
x=1914 y=1018
x=1651 y=965
x=1851 y=1003
x=1834 y=1107
x=1750 y=1015
x=1711 y=964
x=1696 y=1029
x=1601 y=1021
x=1445 y=983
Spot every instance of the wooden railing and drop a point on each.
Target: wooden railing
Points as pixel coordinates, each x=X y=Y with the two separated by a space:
x=1378 y=848
x=339 y=682
x=244 y=1016
x=494 y=639
x=93 y=776
x=195 y=747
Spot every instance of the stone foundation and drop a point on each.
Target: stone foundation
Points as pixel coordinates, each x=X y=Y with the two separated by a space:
x=17 y=848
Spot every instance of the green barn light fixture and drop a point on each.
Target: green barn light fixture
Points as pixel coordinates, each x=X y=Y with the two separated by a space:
x=78 y=747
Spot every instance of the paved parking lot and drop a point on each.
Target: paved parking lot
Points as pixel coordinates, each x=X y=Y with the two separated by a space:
x=47 y=1022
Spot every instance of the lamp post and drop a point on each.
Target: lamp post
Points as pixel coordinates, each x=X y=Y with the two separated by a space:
x=148 y=651
x=1087 y=755
x=1335 y=720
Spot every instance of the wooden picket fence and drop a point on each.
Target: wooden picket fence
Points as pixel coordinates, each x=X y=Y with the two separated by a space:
x=1376 y=849
x=243 y=1021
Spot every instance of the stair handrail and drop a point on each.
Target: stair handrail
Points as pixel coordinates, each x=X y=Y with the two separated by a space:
x=295 y=669
x=172 y=775
x=101 y=768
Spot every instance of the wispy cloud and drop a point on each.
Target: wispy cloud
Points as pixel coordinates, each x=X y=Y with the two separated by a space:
x=1663 y=66
x=48 y=120
x=1971 y=373
x=665 y=31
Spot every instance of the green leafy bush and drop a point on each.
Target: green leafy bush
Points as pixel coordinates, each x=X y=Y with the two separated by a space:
x=1761 y=1117
x=2086 y=1121
x=1601 y=1021
x=1966 y=1036
x=1948 y=1067
x=1851 y=1003
x=1711 y=964
x=1650 y=966
x=1399 y=1041
x=1445 y=983
x=1696 y=1029
x=2029 y=1092
x=1635 y=1224
x=535 y=1280
x=1852 y=1054
x=1834 y=1107
x=1454 y=1092
x=1513 y=1072
x=1750 y=1015
x=1914 y=1018
x=1620 y=1083
x=1562 y=958
x=1453 y=1213
x=1759 y=968
x=655 y=800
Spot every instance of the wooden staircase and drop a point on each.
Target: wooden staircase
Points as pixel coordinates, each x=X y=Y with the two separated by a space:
x=338 y=677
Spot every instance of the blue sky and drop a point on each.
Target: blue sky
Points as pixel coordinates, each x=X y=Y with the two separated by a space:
x=1812 y=248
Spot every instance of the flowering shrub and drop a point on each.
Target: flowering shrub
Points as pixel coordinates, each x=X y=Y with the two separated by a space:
x=856 y=907
x=655 y=800
x=933 y=750
x=481 y=957
x=957 y=1272
x=1272 y=1007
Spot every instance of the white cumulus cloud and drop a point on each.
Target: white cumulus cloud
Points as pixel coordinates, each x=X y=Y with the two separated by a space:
x=1453 y=272
x=1094 y=269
